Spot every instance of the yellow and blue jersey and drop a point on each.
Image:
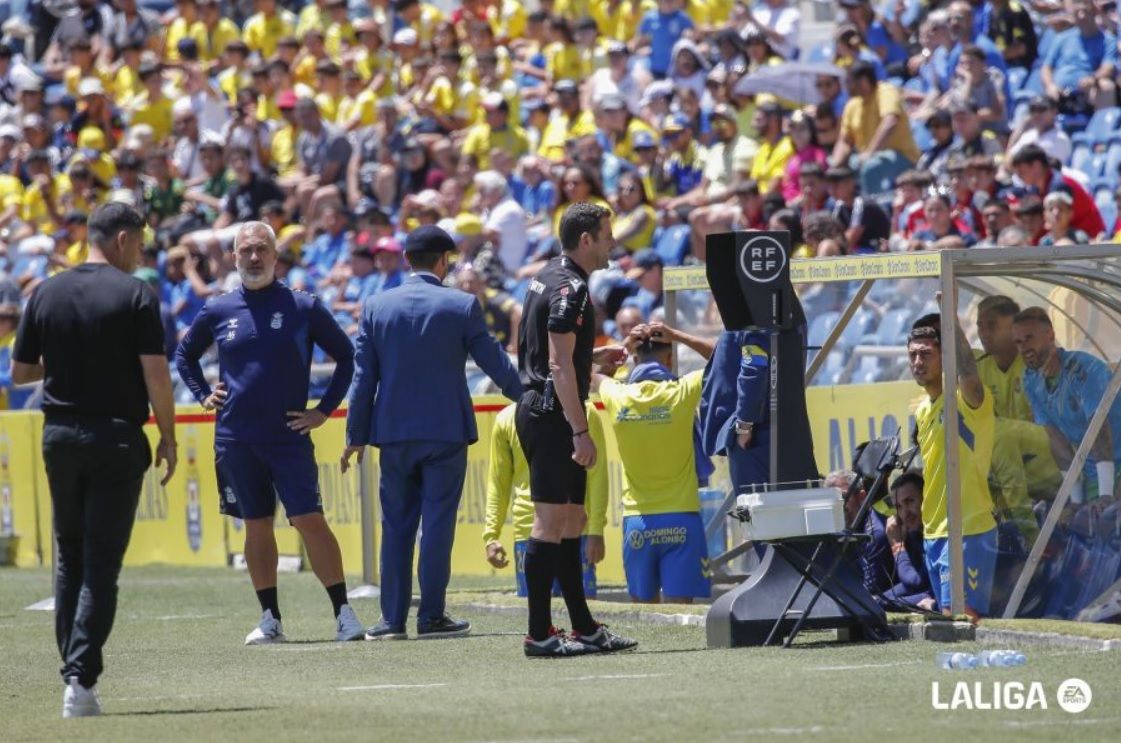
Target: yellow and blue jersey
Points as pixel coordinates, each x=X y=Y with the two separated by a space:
x=976 y=433
x=508 y=475
x=656 y=417
x=1006 y=387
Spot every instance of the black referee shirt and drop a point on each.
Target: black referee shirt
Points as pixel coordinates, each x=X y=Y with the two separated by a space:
x=557 y=302
x=90 y=325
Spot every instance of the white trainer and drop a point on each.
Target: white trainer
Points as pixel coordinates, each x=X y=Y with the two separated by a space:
x=78 y=701
x=267 y=632
x=347 y=625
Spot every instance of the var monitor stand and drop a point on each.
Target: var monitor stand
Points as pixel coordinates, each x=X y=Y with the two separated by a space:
x=749 y=274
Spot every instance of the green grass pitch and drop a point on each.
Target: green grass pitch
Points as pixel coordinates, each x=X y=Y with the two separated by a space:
x=177 y=670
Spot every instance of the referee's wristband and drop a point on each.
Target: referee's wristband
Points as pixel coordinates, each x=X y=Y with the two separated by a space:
x=577 y=434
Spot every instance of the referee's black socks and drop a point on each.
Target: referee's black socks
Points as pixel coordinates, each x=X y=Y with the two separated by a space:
x=337 y=592
x=267 y=597
x=541 y=559
x=570 y=575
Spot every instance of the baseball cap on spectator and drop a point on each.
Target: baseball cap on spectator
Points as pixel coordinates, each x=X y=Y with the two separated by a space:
x=1041 y=103
x=33 y=121
x=566 y=87
x=429 y=239
x=643 y=261
x=718 y=76
x=853 y=3
x=286 y=99
x=365 y=26
x=676 y=123
x=405 y=37
x=613 y=102
x=617 y=48
x=839 y=173
x=1059 y=195
x=643 y=140
x=26 y=81
x=724 y=111
x=655 y=91
x=92 y=86
x=10 y=131
x=493 y=100
x=428 y=199
x=128 y=160
x=92 y=138
x=467 y=225
x=387 y=245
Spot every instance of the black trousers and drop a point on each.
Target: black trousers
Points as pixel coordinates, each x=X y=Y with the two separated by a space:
x=95 y=468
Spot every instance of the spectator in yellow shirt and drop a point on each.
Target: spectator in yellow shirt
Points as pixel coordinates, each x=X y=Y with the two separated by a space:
x=283 y=143
x=563 y=60
x=340 y=31
x=235 y=74
x=496 y=132
x=450 y=100
x=371 y=60
x=126 y=83
x=621 y=126
x=329 y=83
x=187 y=15
x=313 y=15
x=306 y=65
x=775 y=148
x=421 y=17
x=266 y=27
x=359 y=105
x=617 y=19
x=152 y=107
x=571 y=123
x=213 y=31
x=83 y=65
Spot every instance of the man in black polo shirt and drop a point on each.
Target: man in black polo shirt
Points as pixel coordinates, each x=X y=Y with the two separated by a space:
x=867 y=226
x=242 y=203
x=93 y=335
x=555 y=355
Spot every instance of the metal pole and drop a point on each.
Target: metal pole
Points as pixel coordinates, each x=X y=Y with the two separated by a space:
x=835 y=333
x=366 y=493
x=950 y=430
x=1061 y=498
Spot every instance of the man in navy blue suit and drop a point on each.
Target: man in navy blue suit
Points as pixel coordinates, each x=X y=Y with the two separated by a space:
x=410 y=400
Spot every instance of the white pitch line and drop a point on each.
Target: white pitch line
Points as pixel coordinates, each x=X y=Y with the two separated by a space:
x=783 y=731
x=866 y=665
x=378 y=687
x=1065 y=721
x=618 y=676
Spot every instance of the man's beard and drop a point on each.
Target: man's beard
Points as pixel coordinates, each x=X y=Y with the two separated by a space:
x=254 y=278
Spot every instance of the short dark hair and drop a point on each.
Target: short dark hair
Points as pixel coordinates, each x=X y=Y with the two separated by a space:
x=648 y=350
x=1028 y=154
x=927 y=328
x=910 y=477
x=272 y=207
x=581 y=217
x=863 y=69
x=1000 y=304
x=106 y=221
x=425 y=260
x=1033 y=314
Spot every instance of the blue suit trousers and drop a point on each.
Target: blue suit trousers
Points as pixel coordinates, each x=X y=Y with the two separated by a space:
x=421 y=484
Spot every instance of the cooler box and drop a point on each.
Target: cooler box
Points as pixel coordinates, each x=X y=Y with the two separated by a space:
x=782 y=514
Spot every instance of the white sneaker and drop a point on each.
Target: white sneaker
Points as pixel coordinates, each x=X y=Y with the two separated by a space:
x=348 y=626
x=78 y=701
x=267 y=632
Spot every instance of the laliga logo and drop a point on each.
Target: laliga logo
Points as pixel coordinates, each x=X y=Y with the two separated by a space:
x=763 y=259
x=1073 y=696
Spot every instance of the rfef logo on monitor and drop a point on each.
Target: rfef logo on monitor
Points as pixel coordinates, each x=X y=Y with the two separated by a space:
x=763 y=258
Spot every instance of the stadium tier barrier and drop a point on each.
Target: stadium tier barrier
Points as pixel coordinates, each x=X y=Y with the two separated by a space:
x=180 y=525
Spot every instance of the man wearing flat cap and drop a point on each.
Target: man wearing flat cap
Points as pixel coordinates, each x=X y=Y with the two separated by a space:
x=410 y=400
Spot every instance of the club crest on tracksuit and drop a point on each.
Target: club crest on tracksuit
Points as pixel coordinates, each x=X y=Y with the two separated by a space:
x=277 y=321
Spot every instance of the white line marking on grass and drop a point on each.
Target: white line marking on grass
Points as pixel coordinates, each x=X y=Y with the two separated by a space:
x=172 y=617
x=618 y=676
x=1041 y=723
x=782 y=731
x=866 y=665
x=378 y=687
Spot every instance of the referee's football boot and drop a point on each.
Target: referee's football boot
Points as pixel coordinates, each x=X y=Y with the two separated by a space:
x=605 y=640
x=383 y=630
x=78 y=701
x=267 y=632
x=444 y=627
x=348 y=627
x=556 y=645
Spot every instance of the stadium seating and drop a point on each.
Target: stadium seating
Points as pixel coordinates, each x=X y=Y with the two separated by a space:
x=1101 y=127
x=672 y=244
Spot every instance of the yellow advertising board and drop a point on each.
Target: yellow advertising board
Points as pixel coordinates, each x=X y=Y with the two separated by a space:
x=179 y=524
x=818 y=270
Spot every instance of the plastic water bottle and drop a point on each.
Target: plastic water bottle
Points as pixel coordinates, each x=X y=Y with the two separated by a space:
x=958 y=660
x=1001 y=658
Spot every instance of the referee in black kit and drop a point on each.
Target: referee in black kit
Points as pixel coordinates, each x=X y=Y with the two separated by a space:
x=555 y=354
x=93 y=335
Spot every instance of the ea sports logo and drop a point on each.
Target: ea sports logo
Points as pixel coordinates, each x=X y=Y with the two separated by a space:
x=763 y=259
x=1075 y=695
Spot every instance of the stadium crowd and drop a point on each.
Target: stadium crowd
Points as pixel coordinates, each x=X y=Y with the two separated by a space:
x=919 y=126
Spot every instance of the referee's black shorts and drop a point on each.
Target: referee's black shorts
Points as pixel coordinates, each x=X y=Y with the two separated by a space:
x=547 y=442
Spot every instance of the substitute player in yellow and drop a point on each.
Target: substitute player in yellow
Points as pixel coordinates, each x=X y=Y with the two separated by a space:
x=665 y=553
x=509 y=474
x=1023 y=467
x=975 y=425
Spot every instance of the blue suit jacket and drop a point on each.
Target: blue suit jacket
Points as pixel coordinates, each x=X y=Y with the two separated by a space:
x=410 y=382
x=736 y=387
